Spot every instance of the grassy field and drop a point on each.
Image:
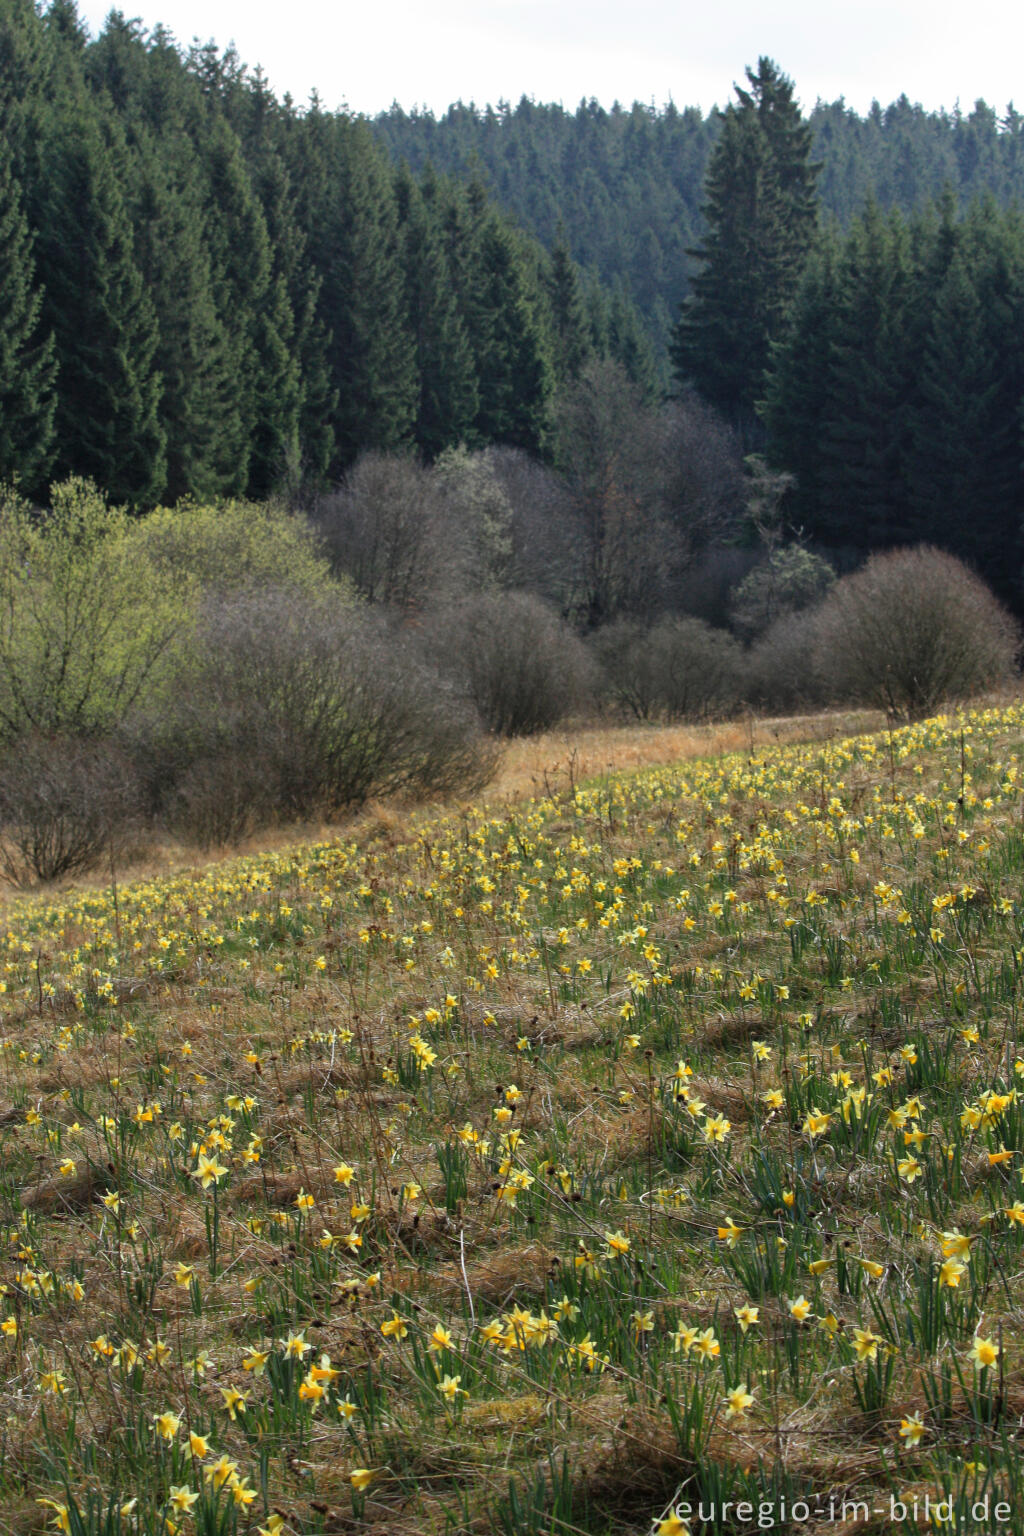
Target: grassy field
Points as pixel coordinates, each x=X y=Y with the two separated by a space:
x=640 y=1155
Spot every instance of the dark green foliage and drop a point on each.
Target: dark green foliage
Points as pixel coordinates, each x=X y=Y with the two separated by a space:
x=107 y=416
x=27 y=362
x=794 y=404
x=872 y=375
x=354 y=242
x=761 y=209
x=895 y=398
x=624 y=185
x=501 y=304
x=199 y=406
x=242 y=298
x=571 y=333
x=448 y=394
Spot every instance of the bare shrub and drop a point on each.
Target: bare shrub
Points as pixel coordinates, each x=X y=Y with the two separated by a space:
x=650 y=490
x=913 y=629
x=705 y=590
x=783 y=670
x=701 y=477
x=406 y=534
x=542 y=526
x=521 y=666
x=382 y=528
x=286 y=712
x=681 y=669
x=65 y=804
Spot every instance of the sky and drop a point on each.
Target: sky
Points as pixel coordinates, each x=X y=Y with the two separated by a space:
x=366 y=54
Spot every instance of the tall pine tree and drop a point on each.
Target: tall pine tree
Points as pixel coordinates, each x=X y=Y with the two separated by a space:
x=354 y=242
x=448 y=399
x=27 y=361
x=761 y=212
x=102 y=320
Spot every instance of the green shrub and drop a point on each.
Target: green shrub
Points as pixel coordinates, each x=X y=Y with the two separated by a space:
x=237 y=547
x=86 y=621
x=790 y=579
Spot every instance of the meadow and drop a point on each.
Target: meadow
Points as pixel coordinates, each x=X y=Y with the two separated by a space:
x=642 y=1154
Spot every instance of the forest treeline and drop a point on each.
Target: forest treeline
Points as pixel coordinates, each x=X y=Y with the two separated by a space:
x=625 y=185
x=209 y=292
x=212 y=293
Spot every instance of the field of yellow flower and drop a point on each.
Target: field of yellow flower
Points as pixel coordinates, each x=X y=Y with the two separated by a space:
x=644 y=1158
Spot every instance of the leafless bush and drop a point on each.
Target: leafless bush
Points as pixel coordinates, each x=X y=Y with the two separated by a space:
x=543 y=527
x=701 y=477
x=682 y=669
x=383 y=529
x=508 y=652
x=783 y=670
x=287 y=712
x=650 y=490
x=65 y=804
x=912 y=630
x=705 y=591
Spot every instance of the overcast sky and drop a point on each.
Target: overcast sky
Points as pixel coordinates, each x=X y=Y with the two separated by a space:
x=369 y=53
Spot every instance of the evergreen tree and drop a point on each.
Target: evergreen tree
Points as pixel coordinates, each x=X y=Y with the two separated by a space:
x=256 y=315
x=105 y=330
x=965 y=469
x=27 y=90
x=448 y=399
x=627 y=343
x=571 y=334
x=761 y=211
x=354 y=241
x=508 y=341
x=27 y=361
x=871 y=395
x=199 y=410
x=797 y=387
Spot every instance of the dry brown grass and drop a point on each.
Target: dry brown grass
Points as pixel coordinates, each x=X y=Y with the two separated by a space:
x=547 y=764
x=537 y=765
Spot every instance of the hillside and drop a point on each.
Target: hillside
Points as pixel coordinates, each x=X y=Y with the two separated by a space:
x=532 y=1169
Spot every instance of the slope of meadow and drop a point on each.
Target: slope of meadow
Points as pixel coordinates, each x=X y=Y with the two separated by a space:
x=546 y=1168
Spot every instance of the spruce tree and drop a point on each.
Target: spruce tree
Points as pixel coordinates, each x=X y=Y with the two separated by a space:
x=354 y=242
x=965 y=467
x=102 y=320
x=27 y=361
x=872 y=390
x=797 y=387
x=571 y=333
x=500 y=301
x=448 y=399
x=305 y=415
x=760 y=209
x=250 y=308
x=628 y=343
x=198 y=403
